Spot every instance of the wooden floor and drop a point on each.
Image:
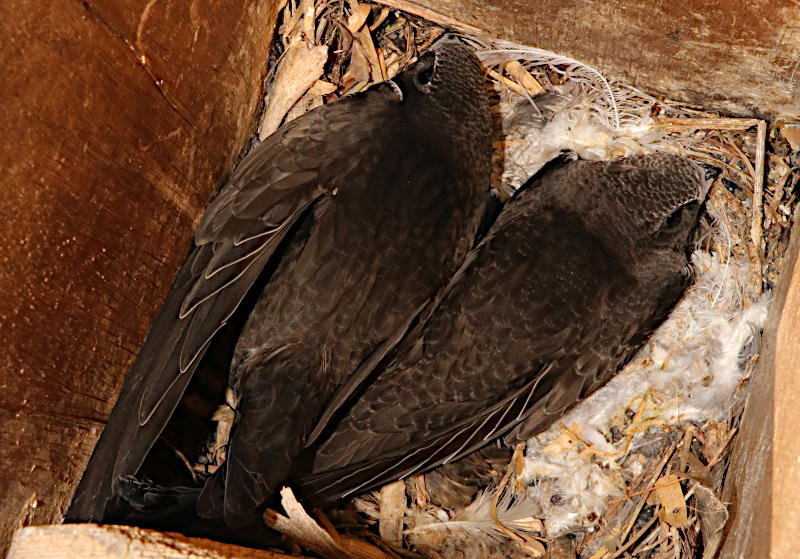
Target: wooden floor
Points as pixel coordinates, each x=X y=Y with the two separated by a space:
x=90 y=541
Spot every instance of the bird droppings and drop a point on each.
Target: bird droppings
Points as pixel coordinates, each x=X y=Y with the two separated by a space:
x=636 y=469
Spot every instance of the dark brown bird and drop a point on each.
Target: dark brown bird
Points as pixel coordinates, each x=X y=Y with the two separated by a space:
x=360 y=212
x=580 y=267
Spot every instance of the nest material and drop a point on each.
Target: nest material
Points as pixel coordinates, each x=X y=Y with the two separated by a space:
x=636 y=470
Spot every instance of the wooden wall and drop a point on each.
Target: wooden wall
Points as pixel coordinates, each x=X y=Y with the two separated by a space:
x=119 y=118
x=741 y=56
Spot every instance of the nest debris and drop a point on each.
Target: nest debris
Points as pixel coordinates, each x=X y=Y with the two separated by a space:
x=645 y=479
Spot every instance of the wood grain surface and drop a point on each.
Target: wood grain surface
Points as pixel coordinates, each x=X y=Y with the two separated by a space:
x=90 y=541
x=785 y=480
x=762 y=482
x=119 y=118
x=741 y=57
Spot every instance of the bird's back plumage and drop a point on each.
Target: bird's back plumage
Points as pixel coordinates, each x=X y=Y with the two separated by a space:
x=565 y=287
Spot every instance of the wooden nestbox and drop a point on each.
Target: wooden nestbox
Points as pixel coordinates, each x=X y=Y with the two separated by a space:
x=121 y=118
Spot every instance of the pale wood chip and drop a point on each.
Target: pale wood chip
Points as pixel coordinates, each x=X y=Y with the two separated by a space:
x=307 y=7
x=565 y=441
x=382 y=65
x=365 y=40
x=393 y=66
x=224 y=416
x=302 y=65
x=358 y=17
x=673 y=503
x=523 y=77
x=757 y=220
x=323 y=540
x=321 y=87
x=291 y=18
x=792 y=134
x=359 y=69
x=423 y=498
x=303 y=529
x=529 y=523
x=507 y=82
x=392 y=512
x=716 y=436
x=306 y=103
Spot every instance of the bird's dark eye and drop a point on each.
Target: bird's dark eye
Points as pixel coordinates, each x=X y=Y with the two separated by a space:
x=673 y=219
x=425 y=76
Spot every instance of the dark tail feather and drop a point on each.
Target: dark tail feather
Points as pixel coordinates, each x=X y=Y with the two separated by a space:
x=142 y=502
x=175 y=509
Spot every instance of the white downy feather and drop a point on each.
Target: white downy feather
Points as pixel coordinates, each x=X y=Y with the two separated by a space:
x=472 y=531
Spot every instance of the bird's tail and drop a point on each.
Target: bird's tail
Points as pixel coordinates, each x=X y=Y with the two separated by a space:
x=140 y=501
x=175 y=509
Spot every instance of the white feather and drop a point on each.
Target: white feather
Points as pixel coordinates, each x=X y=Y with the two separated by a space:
x=473 y=528
x=592 y=82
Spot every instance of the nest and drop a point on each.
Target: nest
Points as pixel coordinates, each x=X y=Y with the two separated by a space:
x=636 y=470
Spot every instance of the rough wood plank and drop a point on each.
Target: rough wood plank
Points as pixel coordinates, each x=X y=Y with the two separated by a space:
x=785 y=471
x=119 y=118
x=749 y=477
x=90 y=541
x=743 y=57
x=764 y=474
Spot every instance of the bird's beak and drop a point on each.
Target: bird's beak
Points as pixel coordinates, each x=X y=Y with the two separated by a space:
x=711 y=173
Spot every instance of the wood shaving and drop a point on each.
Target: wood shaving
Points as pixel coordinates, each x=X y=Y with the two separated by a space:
x=358 y=17
x=523 y=77
x=301 y=67
x=673 y=503
x=304 y=530
x=392 y=512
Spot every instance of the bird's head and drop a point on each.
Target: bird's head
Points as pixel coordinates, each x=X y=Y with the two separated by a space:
x=445 y=92
x=644 y=202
